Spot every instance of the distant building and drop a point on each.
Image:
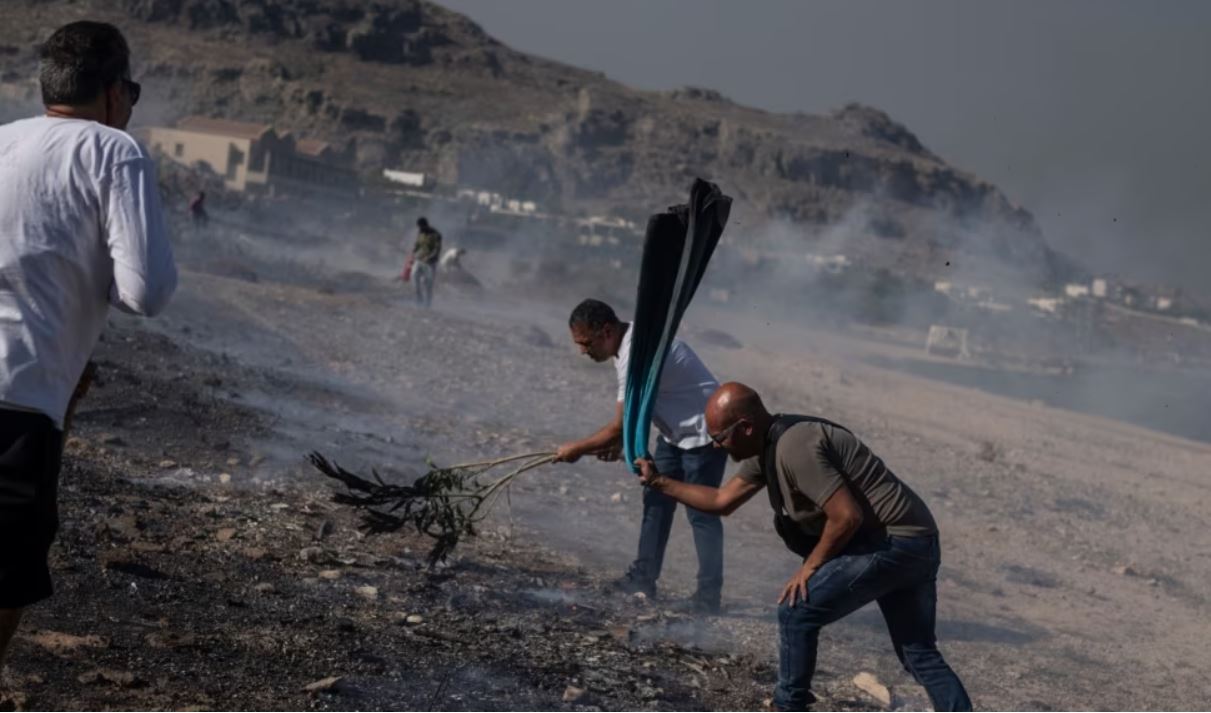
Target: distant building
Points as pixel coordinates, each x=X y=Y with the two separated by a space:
x=1075 y=290
x=1050 y=305
x=249 y=156
x=413 y=179
x=947 y=341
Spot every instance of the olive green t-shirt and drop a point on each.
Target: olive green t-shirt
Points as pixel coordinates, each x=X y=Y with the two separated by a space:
x=814 y=459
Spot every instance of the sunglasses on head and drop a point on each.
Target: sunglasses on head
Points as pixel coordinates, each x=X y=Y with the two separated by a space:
x=134 y=89
x=723 y=435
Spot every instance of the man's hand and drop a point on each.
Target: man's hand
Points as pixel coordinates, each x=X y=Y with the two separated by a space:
x=648 y=475
x=568 y=453
x=609 y=455
x=797 y=585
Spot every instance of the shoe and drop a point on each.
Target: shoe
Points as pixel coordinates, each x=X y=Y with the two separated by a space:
x=629 y=584
x=699 y=606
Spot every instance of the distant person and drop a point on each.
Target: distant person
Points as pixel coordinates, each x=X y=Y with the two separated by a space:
x=425 y=254
x=197 y=210
x=452 y=260
x=864 y=536
x=81 y=228
x=683 y=450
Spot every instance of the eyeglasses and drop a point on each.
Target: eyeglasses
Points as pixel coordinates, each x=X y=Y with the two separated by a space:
x=723 y=435
x=134 y=89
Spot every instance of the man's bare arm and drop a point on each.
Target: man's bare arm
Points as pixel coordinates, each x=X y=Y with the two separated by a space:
x=843 y=518
x=716 y=501
x=607 y=438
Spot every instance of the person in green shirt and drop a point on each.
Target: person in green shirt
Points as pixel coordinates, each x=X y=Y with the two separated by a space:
x=425 y=254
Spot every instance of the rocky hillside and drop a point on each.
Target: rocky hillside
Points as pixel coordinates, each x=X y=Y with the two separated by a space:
x=417 y=86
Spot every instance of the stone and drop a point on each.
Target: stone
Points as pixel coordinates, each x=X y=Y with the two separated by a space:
x=314 y=555
x=616 y=498
x=869 y=684
x=330 y=574
x=324 y=685
x=123 y=679
x=368 y=591
x=265 y=588
x=60 y=643
x=1125 y=570
x=224 y=534
x=255 y=553
x=414 y=619
x=571 y=694
x=168 y=463
x=225 y=478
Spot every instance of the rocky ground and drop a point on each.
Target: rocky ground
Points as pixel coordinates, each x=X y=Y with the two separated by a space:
x=201 y=563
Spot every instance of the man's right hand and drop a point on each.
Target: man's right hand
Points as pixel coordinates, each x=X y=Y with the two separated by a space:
x=567 y=453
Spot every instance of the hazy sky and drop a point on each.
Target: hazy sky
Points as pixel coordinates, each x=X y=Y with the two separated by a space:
x=1096 y=116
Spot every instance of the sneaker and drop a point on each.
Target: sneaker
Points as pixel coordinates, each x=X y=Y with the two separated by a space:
x=699 y=606
x=629 y=584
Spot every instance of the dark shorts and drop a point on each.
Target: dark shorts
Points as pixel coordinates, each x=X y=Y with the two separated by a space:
x=30 y=452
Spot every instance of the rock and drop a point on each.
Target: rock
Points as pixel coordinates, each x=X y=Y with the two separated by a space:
x=170 y=640
x=869 y=684
x=61 y=643
x=571 y=694
x=265 y=588
x=330 y=574
x=224 y=478
x=1125 y=570
x=323 y=530
x=255 y=553
x=324 y=685
x=314 y=555
x=368 y=591
x=414 y=619
x=123 y=679
x=616 y=498
x=224 y=534
x=127 y=526
x=168 y=463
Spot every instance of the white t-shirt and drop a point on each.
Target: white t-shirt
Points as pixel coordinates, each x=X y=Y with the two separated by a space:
x=685 y=386
x=81 y=228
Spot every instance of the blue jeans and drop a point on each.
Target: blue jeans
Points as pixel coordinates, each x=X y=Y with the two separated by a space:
x=423 y=275
x=701 y=466
x=900 y=574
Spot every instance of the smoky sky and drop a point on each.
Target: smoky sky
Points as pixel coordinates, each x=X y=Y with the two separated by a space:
x=1095 y=116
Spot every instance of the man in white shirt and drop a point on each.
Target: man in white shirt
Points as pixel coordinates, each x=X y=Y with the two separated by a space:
x=81 y=228
x=684 y=447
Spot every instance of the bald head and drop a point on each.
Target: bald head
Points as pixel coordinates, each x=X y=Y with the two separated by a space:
x=733 y=401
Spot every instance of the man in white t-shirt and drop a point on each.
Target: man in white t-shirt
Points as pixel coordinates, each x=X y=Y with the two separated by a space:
x=683 y=447
x=81 y=228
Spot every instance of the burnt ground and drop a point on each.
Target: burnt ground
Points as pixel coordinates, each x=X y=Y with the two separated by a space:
x=177 y=591
x=201 y=563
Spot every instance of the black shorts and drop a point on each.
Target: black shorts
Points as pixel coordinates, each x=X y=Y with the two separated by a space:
x=31 y=449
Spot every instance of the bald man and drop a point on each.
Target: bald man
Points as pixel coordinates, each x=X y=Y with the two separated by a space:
x=863 y=534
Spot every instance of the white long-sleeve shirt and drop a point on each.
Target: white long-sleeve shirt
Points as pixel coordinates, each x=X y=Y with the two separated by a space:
x=81 y=227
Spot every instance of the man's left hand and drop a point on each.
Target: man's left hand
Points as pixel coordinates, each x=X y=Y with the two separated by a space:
x=796 y=587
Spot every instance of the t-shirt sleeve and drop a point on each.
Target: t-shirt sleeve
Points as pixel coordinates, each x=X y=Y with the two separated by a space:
x=145 y=274
x=750 y=471
x=803 y=460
